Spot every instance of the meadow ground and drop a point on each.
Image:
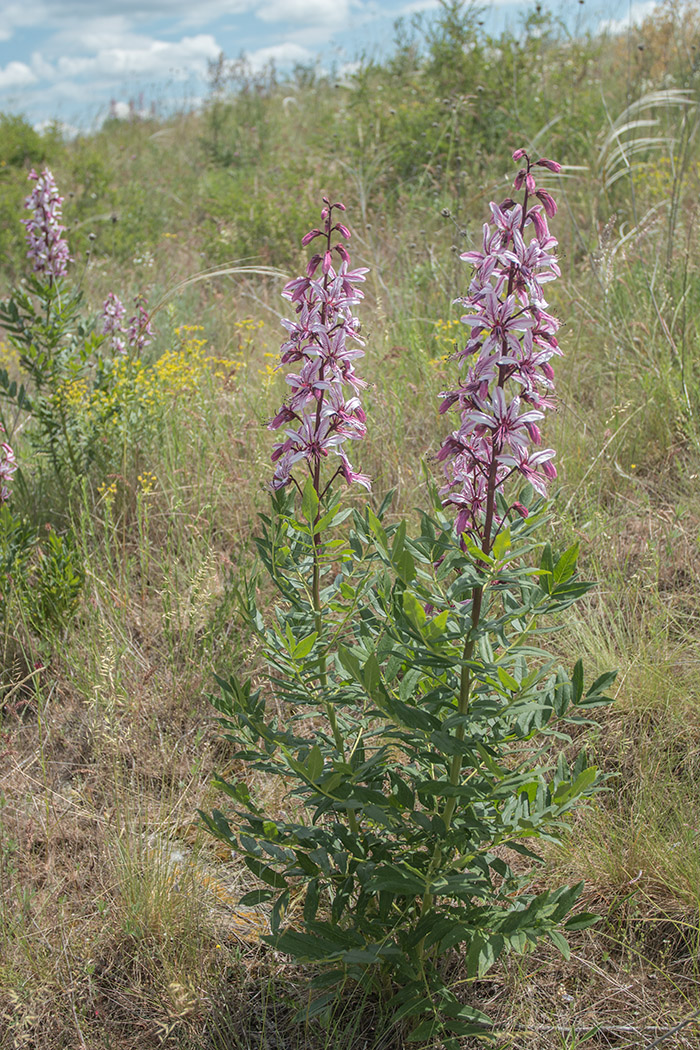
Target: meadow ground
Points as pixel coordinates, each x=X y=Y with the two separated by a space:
x=119 y=924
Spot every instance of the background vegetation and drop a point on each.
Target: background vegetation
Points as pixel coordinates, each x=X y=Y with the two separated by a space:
x=118 y=922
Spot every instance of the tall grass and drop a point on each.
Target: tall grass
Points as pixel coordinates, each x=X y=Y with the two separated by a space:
x=118 y=924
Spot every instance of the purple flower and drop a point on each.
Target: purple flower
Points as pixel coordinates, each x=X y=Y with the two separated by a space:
x=324 y=338
x=139 y=331
x=509 y=380
x=8 y=466
x=113 y=313
x=47 y=248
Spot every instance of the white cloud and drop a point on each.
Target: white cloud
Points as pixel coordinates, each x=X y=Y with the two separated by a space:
x=281 y=54
x=16 y=74
x=67 y=131
x=637 y=13
x=309 y=12
x=15 y=16
x=151 y=58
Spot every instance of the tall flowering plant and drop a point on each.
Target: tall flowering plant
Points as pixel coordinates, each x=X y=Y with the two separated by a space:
x=59 y=351
x=137 y=334
x=409 y=714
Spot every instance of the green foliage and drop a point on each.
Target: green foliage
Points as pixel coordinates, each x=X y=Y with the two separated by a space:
x=58 y=355
x=17 y=540
x=41 y=578
x=407 y=806
x=21 y=146
x=53 y=590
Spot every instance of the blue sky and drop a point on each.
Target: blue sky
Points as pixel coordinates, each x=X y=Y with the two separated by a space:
x=66 y=59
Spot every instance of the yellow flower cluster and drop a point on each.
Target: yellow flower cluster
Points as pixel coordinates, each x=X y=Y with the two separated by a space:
x=71 y=396
x=147 y=483
x=445 y=336
x=133 y=392
x=655 y=178
x=245 y=332
x=9 y=356
x=107 y=490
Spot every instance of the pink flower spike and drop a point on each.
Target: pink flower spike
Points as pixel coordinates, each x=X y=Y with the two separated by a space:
x=509 y=380
x=47 y=248
x=324 y=341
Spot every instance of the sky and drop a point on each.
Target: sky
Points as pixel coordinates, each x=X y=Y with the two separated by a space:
x=71 y=60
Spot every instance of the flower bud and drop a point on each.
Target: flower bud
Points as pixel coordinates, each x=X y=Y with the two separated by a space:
x=551 y=165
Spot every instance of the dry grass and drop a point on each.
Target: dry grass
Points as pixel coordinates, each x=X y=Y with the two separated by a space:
x=119 y=922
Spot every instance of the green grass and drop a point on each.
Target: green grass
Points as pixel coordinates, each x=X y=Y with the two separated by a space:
x=118 y=919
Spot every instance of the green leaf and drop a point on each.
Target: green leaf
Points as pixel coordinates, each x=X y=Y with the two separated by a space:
x=311 y=901
x=601 y=683
x=304 y=647
x=507 y=680
x=566 y=565
x=483 y=952
x=389 y=878
x=413 y=609
x=566 y=791
x=405 y=567
x=582 y=921
x=249 y=900
x=314 y=763
x=426 y=1030
x=399 y=540
x=265 y=873
x=577 y=681
x=559 y=940
x=434 y=631
x=372 y=676
x=350 y=664
x=317 y=1006
x=501 y=545
x=305 y=947
x=309 y=502
x=376 y=527
x=279 y=911
x=547 y=569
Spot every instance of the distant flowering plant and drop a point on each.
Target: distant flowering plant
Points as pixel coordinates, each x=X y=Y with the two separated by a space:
x=113 y=313
x=139 y=331
x=319 y=417
x=509 y=378
x=139 y=328
x=48 y=249
x=60 y=355
x=8 y=466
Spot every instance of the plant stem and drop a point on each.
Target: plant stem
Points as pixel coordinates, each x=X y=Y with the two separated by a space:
x=465 y=681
